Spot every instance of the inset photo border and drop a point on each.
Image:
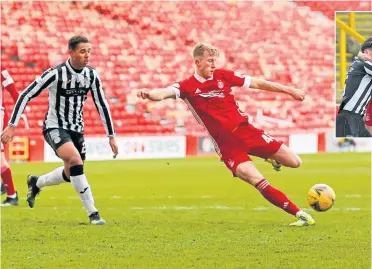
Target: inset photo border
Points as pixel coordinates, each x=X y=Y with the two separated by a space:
x=353 y=74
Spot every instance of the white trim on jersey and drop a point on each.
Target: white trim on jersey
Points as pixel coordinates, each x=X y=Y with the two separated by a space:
x=196 y=116
x=7 y=82
x=176 y=88
x=201 y=79
x=247 y=82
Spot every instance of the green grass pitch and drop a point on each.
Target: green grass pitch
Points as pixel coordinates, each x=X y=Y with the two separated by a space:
x=191 y=213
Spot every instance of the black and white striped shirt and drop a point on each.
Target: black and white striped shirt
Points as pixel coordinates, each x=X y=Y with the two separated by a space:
x=358 y=87
x=67 y=94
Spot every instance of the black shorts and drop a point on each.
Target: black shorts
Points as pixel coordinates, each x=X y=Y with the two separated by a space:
x=58 y=137
x=349 y=124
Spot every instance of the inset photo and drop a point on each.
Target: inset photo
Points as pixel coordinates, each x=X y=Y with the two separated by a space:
x=353 y=74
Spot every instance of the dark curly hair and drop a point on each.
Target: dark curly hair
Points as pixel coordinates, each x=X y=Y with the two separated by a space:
x=367 y=44
x=75 y=41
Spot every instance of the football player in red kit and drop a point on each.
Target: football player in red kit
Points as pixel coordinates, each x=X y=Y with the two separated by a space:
x=6 y=173
x=208 y=95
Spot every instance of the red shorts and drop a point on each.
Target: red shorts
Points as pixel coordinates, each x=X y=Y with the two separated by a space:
x=246 y=139
x=368 y=117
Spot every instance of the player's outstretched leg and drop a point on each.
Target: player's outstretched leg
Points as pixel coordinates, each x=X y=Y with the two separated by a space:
x=35 y=183
x=249 y=173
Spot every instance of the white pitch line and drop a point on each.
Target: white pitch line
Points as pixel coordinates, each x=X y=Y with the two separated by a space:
x=218 y=207
x=353 y=195
x=260 y=208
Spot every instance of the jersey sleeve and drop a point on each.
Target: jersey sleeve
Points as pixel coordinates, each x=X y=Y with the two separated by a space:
x=33 y=90
x=102 y=105
x=178 y=89
x=236 y=79
x=368 y=67
x=7 y=82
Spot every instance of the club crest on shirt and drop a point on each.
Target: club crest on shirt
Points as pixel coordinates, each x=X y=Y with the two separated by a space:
x=220 y=84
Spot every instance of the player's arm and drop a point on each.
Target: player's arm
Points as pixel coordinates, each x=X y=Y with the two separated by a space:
x=8 y=83
x=269 y=86
x=102 y=105
x=158 y=94
x=33 y=90
x=103 y=109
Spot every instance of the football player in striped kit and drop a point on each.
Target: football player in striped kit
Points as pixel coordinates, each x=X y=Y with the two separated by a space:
x=356 y=96
x=68 y=84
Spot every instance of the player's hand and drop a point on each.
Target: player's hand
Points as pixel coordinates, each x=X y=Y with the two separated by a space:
x=114 y=146
x=7 y=134
x=297 y=94
x=144 y=94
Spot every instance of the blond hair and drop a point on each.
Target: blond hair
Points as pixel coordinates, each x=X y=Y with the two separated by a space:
x=199 y=49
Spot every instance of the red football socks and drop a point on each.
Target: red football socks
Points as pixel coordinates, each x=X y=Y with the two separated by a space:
x=6 y=176
x=276 y=197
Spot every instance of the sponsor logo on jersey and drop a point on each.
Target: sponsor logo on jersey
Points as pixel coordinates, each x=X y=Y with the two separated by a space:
x=76 y=91
x=214 y=93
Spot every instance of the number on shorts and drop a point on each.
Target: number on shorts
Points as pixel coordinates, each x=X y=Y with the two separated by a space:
x=83 y=148
x=267 y=138
x=55 y=135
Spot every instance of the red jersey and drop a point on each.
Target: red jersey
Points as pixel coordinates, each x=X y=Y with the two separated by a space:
x=8 y=84
x=368 y=117
x=211 y=100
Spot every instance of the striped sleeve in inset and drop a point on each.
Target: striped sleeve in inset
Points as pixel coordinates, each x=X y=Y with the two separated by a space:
x=368 y=67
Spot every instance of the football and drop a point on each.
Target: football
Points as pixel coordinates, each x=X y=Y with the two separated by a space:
x=321 y=197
